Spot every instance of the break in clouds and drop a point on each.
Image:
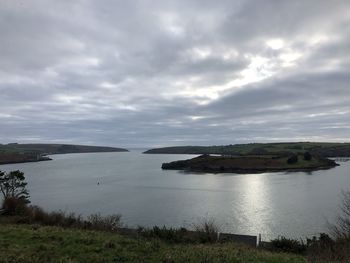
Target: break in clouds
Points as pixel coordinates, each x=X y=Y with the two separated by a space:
x=154 y=73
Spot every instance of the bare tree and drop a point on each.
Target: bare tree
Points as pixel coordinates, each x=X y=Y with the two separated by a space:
x=341 y=228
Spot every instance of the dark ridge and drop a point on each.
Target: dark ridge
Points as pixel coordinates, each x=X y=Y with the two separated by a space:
x=284 y=148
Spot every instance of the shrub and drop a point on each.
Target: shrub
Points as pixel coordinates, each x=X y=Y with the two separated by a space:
x=324 y=241
x=36 y=214
x=207 y=230
x=107 y=223
x=172 y=235
x=325 y=249
x=292 y=159
x=14 y=206
x=284 y=244
x=307 y=156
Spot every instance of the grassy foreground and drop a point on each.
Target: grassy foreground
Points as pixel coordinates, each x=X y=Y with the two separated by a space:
x=27 y=243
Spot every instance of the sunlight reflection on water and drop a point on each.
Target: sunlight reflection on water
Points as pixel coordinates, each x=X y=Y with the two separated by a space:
x=292 y=204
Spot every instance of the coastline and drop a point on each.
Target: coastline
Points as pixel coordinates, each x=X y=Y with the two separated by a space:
x=24 y=153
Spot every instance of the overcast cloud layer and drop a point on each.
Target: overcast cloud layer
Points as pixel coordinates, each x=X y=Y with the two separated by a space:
x=156 y=73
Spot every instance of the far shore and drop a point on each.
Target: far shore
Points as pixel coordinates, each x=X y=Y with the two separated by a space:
x=23 y=153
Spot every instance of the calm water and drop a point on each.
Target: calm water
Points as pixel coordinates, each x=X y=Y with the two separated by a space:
x=132 y=184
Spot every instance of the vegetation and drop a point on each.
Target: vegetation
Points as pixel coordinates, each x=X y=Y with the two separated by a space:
x=341 y=229
x=25 y=243
x=293 y=159
x=307 y=156
x=314 y=148
x=35 y=215
x=323 y=248
x=61 y=237
x=16 y=199
x=15 y=195
x=29 y=234
x=250 y=164
x=18 y=153
x=208 y=230
x=316 y=249
x=13 y=185
x=288 y=245
x=205 y=231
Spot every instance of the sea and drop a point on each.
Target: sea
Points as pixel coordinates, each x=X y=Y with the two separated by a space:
x=132 y=184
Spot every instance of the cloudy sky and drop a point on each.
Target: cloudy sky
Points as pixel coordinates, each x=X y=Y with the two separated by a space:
x=154 y=73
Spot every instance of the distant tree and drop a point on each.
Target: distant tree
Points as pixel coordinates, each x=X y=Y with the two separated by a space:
x=13 y=186
x=292 y=159
x=307 y=156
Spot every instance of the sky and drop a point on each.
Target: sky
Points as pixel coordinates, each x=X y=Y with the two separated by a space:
x=156 y=73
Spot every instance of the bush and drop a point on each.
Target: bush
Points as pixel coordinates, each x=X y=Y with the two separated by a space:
x=284 y=244
x=172 y=235
x=14 y=206
x=307 y=156
x=207 y=230
x=325 y=249
x=36 y=215
x=293 y=159
x=323 y=242
x=107 y=223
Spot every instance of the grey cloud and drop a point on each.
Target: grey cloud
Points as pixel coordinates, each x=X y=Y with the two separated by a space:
x=144 y=73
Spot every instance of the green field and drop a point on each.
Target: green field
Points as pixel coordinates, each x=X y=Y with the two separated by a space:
x=28 y=243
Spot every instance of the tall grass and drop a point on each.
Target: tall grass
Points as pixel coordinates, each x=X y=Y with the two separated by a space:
x=28 y=214
x=207 y=229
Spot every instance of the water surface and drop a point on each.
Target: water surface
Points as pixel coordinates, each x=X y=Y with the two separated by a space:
x=130 y=183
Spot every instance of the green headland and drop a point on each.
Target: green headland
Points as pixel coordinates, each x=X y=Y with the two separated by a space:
x=322 y=149
x=20 y=153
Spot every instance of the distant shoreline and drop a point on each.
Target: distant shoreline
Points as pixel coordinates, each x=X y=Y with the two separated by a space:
x=24 y=153
x=321 y=149
x=20 y=159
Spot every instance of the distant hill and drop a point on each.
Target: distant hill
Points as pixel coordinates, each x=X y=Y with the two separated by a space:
x=315 y=148
x=17 y=153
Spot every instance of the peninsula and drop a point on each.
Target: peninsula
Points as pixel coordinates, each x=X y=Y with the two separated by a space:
x=20 y=153
x=251 y=163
